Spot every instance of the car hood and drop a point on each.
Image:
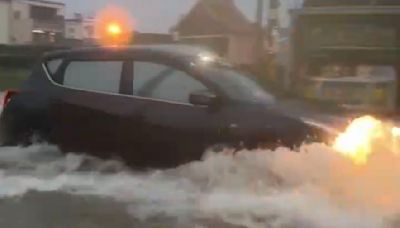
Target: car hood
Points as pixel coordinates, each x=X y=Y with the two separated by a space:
x=287 y=126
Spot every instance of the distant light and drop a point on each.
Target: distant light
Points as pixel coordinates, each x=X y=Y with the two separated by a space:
x=38 y=31
x=396 y=132
x=114 y=29
x=113 y=26
x=206 y=58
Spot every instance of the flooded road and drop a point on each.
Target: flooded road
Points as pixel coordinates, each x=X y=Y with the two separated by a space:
x=316 y=187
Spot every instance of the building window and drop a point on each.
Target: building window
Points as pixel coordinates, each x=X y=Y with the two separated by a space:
x=90 y=31
x=274 y=4
x=43 y=13
x=17 y=15
x=71 y=30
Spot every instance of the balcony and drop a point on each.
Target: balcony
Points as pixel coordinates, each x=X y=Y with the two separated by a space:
x=55 y=25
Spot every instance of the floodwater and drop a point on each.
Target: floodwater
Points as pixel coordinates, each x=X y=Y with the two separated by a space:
x=39 y=187
x=316 y=187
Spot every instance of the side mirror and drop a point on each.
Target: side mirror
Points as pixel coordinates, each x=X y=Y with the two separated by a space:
x=203 y=98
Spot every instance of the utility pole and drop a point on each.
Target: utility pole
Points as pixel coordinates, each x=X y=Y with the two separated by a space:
x=273 y=18
x=260 y=30
x=260 y=12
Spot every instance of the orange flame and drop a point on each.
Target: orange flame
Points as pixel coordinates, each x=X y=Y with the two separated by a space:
x=363 y=136
x=114 y=29
x=114 y=26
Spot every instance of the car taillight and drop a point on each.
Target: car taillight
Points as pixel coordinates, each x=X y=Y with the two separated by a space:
x=7 y=96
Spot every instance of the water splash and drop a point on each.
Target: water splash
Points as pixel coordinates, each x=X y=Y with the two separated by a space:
x=316 y=187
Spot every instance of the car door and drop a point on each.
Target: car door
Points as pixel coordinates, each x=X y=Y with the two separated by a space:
x=89 y=106
x=167 y=130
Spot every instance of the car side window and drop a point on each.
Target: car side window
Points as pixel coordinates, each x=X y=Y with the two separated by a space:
x=100 y=76
x=53 y=65
x=163 y=82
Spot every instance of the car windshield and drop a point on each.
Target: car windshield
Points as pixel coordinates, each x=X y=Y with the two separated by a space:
x=239 y=86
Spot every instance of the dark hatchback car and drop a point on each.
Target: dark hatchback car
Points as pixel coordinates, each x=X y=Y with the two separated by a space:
x=152 y=106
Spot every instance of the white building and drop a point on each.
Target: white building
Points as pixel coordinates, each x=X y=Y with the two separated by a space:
x=73 y=29
x=80 y=29
x=5 y=8
x=31 y=21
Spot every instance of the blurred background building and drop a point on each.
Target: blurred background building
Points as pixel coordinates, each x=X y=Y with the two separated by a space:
x=31 y=21
x=220 y=26
x=80 y=30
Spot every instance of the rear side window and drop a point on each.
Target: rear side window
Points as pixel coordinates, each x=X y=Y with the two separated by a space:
x=144 y=73
x=101 y=76
x=153 y=80
x=53 y=65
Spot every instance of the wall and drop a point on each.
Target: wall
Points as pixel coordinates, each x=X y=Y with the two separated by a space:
x=90 y=23
x=21 y=28
x=74 y=30
x=4 y=22
x=81 y=29
x=242 y=49
x=21 y=31
x=22 y=8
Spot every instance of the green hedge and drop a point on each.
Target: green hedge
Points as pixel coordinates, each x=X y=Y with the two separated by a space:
x=16 y=62
x=16 y=56
x=12 y=77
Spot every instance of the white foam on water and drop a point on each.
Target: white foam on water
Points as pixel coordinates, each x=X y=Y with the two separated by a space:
x=313 y=188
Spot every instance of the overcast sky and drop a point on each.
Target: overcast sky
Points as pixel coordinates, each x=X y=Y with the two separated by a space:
x=151 y=15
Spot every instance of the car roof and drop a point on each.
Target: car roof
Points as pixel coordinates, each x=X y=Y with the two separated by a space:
x=171 y=50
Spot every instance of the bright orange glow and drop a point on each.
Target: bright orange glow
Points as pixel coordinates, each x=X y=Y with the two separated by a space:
x=396 y=132
x=355 y=142
x=114 y=29
x=114 y=26
x=364 y=136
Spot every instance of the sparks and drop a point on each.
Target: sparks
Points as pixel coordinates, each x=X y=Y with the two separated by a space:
x=356 y=142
